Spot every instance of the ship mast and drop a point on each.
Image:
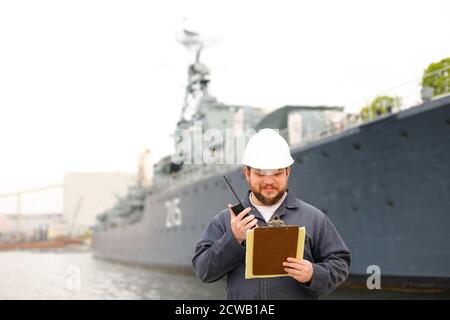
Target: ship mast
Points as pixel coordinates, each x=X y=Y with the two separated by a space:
x=198 y=74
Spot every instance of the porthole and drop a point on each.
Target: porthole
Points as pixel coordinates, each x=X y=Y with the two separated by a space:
x=390 y=203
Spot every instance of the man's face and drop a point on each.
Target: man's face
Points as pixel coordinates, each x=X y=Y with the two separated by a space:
x=268 y=186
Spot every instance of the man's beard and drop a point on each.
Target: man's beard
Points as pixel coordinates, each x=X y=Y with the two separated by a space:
x=269 y=201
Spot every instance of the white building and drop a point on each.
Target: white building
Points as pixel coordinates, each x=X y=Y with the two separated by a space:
x=88 y=194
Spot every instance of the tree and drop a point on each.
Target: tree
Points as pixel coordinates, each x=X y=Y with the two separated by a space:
x=380 y=105
x=437 y=76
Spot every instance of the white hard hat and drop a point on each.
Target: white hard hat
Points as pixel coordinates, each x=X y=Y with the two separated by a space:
x=267 y=150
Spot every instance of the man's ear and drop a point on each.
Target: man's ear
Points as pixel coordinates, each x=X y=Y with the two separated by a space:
x=246 y=172
x=288 y=171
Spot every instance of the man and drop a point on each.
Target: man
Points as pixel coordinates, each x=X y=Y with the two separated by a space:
x=221 y=249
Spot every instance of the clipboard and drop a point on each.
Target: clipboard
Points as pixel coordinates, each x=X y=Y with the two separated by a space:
x=268 y=247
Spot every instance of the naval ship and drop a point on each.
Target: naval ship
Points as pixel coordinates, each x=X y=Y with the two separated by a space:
x=385 y=184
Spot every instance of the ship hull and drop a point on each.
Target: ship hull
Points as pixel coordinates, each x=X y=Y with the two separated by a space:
x=385 y=185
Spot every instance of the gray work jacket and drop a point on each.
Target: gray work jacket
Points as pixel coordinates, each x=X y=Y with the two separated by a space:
x=218 y=253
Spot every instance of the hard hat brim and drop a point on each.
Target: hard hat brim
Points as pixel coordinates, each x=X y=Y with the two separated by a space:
x=264 y=165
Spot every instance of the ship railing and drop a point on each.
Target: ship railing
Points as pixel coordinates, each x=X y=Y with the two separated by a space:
x=192 y=173
x=330 y=129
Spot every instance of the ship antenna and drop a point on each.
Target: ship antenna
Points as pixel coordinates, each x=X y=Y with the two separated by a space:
x=198 y=73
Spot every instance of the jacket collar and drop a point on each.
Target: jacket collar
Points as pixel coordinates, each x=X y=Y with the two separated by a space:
x=289 y=202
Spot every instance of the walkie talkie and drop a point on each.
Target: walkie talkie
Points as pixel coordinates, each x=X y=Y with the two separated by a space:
x=238 y=208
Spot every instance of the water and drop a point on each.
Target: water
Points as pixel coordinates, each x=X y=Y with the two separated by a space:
x=77 y=275
x=54 y=275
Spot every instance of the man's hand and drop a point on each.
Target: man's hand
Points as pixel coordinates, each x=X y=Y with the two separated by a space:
x=239 y=226
x=299 y=269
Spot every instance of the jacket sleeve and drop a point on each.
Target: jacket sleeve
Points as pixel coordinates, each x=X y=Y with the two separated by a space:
x=217 y=252
x=332 y=260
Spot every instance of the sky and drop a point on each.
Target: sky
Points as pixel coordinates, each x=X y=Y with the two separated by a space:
x=87 y=85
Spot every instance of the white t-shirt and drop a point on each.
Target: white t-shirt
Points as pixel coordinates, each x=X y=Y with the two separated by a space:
x=267 y=211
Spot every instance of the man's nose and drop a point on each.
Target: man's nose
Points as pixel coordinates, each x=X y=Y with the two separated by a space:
x=268 y=180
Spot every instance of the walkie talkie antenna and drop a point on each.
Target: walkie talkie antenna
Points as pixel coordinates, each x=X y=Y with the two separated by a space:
x=239 y=207
x=232 y=189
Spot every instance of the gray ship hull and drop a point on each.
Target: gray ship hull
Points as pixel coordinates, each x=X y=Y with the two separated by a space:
x=384 y=184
